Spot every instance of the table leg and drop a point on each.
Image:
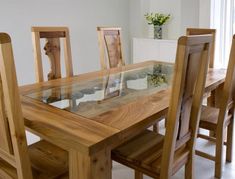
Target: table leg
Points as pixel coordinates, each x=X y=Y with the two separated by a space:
x=214 y=101
x=211 y=102
x=97 y=166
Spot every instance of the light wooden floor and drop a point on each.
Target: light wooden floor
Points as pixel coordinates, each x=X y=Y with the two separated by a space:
x=204 y=169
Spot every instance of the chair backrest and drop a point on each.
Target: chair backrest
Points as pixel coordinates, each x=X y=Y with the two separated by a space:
x=111 y=53
x=13 y=145
x=199 y=31
x=226 y=102
x=52 y=35
x=186 y=98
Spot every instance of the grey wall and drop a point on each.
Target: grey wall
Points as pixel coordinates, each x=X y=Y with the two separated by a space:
x=185 y=13
x=189 y=14
x=81 y=16
x=138 y=24
x=173 y=27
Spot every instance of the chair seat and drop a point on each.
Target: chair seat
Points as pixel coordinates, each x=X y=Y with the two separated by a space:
x=48 y=162
x=209 y=118
x=144 y=153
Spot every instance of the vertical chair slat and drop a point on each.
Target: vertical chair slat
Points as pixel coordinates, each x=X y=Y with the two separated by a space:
x=111 y=52
x=52 y=48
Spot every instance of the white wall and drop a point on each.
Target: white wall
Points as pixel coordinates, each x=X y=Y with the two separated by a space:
x=173 y=29
x=205 y=13
x=81 y=16
x=189 y=14
x=138 y=24
x=185 y=13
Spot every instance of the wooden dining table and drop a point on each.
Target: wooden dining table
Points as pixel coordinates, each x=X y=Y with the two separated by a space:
x=90 y=114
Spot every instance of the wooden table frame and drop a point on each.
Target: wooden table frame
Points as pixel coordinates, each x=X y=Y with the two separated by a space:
x=89 y=142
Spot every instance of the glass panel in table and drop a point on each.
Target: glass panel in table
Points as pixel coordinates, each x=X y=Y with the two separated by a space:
x=97 y=96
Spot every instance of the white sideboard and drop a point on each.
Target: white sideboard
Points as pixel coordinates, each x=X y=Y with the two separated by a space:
x=154 y=49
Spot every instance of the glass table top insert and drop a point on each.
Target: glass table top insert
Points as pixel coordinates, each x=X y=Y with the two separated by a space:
x=97 y=96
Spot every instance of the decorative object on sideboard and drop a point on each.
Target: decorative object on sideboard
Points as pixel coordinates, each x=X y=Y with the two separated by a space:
x=157 y=20
x=161 y=75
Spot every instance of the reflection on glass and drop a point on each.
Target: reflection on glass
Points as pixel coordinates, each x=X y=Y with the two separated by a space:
x=97 y=96
x=112 y=86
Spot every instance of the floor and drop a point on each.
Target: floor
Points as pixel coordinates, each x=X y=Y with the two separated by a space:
x=204 y=169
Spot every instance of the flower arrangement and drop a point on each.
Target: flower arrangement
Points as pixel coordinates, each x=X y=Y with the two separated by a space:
x=157 y=78
x=157 y=19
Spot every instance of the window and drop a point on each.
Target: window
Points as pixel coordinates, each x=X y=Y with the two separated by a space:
x=222 y=19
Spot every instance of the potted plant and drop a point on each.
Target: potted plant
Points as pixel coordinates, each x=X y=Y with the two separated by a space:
x=157 y=20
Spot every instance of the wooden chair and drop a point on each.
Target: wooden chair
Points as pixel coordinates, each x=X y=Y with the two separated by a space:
x=52 y=50
x=17 y=160
x=199 y=31
x=111 y=53
x=161 y=156
x=220 y=118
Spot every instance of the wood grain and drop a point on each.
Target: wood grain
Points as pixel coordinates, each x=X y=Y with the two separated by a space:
x=40 y=160
x=161 y=156
x=153 y=105
x=87 y=136
x=220 y=117
x=13 y=111
x=200 y=31
x=52 y=50
x=111 y=52
x=90 y=167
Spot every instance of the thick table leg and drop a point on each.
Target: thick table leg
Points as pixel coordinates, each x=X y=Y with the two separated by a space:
x=214 y=101
x=97 y=166
x=211 y=100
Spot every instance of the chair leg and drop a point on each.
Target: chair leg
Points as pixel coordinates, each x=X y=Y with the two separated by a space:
x=229 y=147
x=219 y=154
x=138 y=175
x=211 y=102
x=156 y=127
x=189 y=168
x=212 y=134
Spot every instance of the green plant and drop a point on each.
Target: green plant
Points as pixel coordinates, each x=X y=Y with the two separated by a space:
x=157 y=19
x=158 y=77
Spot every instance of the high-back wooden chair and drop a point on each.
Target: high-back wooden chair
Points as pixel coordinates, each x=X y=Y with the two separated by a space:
x=199 y=31
x=111 y=53
x=161 y=156
x=17 y=160
x=220 y=118
x=52 y=36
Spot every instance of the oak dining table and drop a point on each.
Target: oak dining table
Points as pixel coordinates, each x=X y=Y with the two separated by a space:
x=90 y=114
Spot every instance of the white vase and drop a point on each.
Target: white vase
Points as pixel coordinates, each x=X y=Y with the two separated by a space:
x=157 y=32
